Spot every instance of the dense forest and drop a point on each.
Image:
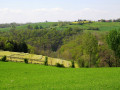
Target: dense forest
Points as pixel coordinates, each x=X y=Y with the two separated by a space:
x=82 y=41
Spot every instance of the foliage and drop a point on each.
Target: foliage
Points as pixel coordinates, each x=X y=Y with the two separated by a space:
x=63 y=40
x=41 y=27
x=82 y=48
x=29 y=27
x=46 y=60
x=26 y=60
x=13 y=46
x=9 y=25
x=23 y=47
x=3 y=59
x=113 y=40
x=73 y=65
x=93 y=28
x=36 y=27
x=59 y=65
x=41 y=39
x=8 y=46
x=81 y=62
x=90 y=46
x=31 y=49
x=107 y=57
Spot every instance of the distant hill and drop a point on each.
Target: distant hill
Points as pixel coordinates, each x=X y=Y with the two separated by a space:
x=101 y=26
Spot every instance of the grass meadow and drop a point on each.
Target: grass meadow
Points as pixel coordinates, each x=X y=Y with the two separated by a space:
x=103 y=26
x=21 y=76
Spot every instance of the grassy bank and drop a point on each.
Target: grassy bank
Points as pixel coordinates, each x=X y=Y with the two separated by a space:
x=20 y=76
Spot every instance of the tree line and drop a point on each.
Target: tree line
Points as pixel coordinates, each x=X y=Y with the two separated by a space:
x=13 y=46
x=41 y=41
x=93 y=50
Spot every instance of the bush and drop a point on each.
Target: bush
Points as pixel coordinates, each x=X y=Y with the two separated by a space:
x=46 y=61
x=26 y=60
x=87 y=65
x=93 y=28
x=3 y=59
x=59 y=65
x=73 y=65
x=80 y=63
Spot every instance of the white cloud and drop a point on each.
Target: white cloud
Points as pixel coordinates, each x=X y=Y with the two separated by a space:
x=53 y=14
x=40 y=10
x=47 y=9
x=6 y=10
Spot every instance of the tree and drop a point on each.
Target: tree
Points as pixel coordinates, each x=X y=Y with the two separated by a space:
x=2 y=44
x=73 y=65
x=113 y=40
x=9 y=46
x=36 y=27
x=41 y=27
x=26 y=60
x=46 y=60
x=106 y=56
x=23 y=47
x=90 y=46
x=102 y=20
x=29 y=27
x=118 y=20
x=13 y=27
x=3 y=59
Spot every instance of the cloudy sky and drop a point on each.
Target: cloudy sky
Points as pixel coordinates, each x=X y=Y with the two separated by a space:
x=22 y=11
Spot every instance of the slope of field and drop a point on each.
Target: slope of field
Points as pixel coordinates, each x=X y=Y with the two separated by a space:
x=33 y=58
x=20 y=76
x=43 y=24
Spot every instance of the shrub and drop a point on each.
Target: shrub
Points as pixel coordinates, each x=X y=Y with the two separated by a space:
x=46 y=61
x=73 y=65
x=3 y=59
x=93 y=28
x=87 y=64
x=26 y=60
x=59 y=65
x=80 y=63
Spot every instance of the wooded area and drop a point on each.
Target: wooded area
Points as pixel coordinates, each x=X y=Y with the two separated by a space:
x=79 y=42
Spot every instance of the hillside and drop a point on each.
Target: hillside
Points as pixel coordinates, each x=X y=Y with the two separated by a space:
x=65 y=40
x=102 y=26
x=33 y=58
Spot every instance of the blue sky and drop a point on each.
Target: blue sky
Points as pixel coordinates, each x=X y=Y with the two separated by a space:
x=23 y=11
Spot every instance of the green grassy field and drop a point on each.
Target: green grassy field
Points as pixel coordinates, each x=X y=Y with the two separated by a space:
x=43 y=24
x=103 y=26
x=20 y=76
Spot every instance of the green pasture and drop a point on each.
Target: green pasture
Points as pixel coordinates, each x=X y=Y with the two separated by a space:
x=103 y=26
x=21 y=76
x=43 y=24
